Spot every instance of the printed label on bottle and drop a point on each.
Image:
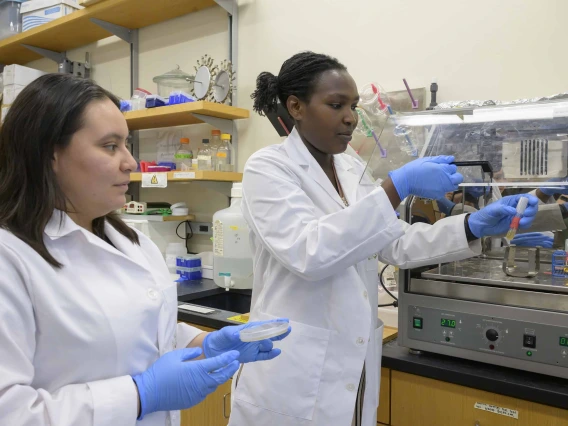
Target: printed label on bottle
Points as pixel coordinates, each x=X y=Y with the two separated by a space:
x=182 y=156
x=218 y=238
x=222 y=154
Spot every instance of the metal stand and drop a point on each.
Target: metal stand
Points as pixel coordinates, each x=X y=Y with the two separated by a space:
x=64 y=65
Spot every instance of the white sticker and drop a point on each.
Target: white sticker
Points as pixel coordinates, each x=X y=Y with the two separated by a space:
x=154 y=180
x=184 y=175
x=507 y=412
x=218 y=238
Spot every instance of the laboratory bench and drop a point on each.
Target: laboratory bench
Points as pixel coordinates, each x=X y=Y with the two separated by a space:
x=416 y=390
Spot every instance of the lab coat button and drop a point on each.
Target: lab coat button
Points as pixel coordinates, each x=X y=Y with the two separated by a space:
x=365 y=294
x=350 y=387
x=360 y=341
x=152 y=294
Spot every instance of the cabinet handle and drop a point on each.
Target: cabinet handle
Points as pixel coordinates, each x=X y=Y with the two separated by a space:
x=477 y=423
x=225 y=405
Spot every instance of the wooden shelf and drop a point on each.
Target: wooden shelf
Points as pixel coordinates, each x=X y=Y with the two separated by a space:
x=199 y=176
x=181 y=115
x=76 y=30
x=157 y=218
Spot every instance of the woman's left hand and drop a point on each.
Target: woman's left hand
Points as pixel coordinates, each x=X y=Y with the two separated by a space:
x=227 y=339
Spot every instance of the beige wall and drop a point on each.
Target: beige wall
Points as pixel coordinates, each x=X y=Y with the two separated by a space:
x=482 y=49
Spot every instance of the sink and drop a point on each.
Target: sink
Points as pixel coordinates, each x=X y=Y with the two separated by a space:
x=233 y=301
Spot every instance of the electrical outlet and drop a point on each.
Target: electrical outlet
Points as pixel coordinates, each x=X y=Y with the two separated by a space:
x=203 y=228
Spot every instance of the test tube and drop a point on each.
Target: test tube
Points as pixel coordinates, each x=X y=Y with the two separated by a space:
x=521 y=206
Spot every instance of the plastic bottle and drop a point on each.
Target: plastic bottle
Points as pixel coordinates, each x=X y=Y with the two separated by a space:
x=224 y=154
x=173 y=250
x=215 y=144
x=204 y=156
x=183 y=156
x=232 y=256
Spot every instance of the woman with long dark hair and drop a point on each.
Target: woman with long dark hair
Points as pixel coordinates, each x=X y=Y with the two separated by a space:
x=88 y=311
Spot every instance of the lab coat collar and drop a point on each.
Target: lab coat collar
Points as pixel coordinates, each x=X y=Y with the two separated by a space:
x=345 y=172
x=61 y=225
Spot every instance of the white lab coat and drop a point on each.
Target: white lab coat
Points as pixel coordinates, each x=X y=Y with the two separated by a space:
x=70 y=338
x=315 y=263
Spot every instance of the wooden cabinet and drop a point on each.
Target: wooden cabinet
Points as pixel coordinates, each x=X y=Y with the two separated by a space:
x=418 y=401
x=383 y=414
x=214 y=410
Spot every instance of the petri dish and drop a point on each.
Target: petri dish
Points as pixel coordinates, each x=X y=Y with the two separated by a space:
x=264 y=331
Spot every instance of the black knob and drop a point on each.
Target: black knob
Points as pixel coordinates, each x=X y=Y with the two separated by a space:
x=492 y=335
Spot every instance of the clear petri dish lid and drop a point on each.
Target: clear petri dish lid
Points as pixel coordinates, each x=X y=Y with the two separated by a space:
x=264 y=331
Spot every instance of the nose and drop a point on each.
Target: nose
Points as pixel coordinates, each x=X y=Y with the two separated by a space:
x=128 y=163
x=350 y=117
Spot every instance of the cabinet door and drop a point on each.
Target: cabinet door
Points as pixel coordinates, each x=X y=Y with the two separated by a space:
x=214 y=410
x=383 y=414
x=420 y=401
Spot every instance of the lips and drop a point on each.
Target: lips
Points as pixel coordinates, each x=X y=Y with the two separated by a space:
x=346 y=136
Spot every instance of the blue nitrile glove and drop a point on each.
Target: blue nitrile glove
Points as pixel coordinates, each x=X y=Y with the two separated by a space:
x=551 y=190
x=533 y=239
x=495 y=219
x=445 y=206
x=227 y=339
x=175 y=383
x=428 y=177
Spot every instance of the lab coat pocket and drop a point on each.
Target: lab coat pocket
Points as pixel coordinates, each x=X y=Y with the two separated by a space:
x=289 y=384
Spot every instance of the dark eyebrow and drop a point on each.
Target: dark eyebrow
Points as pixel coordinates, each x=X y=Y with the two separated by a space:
x=343 y=97
x=113 y=135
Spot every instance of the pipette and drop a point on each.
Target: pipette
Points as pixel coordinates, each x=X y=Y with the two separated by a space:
x=521 y=206
x=366 y=127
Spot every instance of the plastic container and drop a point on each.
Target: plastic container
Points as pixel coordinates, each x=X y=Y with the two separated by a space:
x=204 y=161
x=173 y=81
x=183 y=156
x=232 y=256
x=178 y=97
x=173 y=250
x=206 y=264
x=215 y=144
x=10 y=18
x=154 y=101
x=263 y=331
x=189 y=274
x=223 y=161
x=157 y=169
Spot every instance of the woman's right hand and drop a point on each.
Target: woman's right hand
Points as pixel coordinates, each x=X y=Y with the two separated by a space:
x=174 y=382
x=428 y=177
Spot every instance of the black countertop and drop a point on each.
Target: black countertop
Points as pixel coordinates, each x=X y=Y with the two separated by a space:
x=188 y=291
x=505 y=381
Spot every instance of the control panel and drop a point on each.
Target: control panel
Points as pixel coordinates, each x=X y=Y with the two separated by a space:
x=500 y=336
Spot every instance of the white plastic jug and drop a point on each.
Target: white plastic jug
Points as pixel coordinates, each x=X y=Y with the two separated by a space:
x=232 y=257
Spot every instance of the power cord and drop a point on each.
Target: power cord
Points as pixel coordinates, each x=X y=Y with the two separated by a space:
x=187 y=236
x=395 y=302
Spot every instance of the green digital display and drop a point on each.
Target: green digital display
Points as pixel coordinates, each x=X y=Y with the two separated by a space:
x=564 y=341
x=452 y=323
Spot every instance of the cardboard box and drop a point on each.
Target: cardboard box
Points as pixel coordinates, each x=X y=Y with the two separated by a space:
x=10 y=92
x=18 y=74
x=39 y=12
